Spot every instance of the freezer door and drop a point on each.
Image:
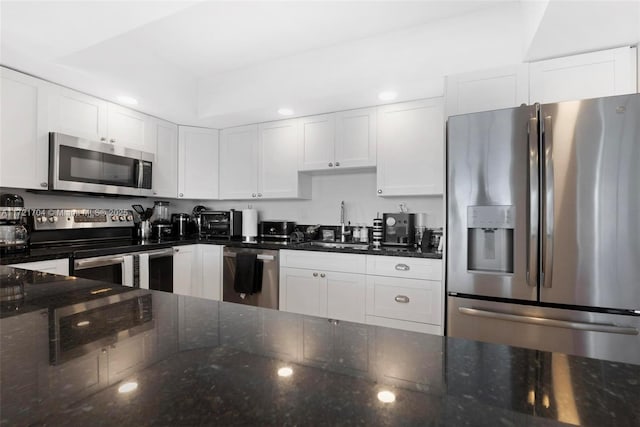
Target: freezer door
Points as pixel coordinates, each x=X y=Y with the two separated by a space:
x=492 y=180
x=591 y=203
x=588 y=334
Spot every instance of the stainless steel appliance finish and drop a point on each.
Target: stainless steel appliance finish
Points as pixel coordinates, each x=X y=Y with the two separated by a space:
x=268 y=297
x=77 y=164
x=84 y=327
x=543 y=211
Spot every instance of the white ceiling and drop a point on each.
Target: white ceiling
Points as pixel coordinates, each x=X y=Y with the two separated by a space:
x=227 y=63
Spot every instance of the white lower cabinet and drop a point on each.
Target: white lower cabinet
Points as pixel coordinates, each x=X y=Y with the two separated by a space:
x=184 y=259
x=323 y=284
x=197 y=271
x=405 y=293
x=54 y=266
x=397 y=292
x=210 y=268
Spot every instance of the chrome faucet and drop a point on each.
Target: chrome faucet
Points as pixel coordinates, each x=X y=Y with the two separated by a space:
x=343 y=228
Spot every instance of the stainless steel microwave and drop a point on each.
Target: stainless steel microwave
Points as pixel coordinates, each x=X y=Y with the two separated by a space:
x=77 y=164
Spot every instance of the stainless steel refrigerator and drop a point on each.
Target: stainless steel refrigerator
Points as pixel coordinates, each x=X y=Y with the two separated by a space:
x=543 y=217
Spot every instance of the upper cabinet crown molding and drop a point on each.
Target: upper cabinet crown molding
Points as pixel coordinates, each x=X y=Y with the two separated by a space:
x=486 y=90
x=589 y=75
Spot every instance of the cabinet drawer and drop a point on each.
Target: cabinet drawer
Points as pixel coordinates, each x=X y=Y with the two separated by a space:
x=406 y=267
x=425 y=328
x=324 y=261
x=405 y=299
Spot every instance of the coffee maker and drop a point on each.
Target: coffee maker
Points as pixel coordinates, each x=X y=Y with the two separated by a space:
x=399 y=229
x=14 y=236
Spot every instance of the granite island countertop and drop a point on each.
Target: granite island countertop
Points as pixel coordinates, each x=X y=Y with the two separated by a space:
x=205 y=362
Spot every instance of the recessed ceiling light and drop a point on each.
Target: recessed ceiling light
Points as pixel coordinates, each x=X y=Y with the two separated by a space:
x=129 y=100
x=385 y=396
x=128 y=387
x=387 y=95
x=285 y=111
x=285 y=372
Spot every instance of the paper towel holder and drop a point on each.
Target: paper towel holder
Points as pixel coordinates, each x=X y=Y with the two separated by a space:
x=249 y=225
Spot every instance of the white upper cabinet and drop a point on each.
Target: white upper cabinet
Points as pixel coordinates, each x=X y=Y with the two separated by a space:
x=130 y=128
x=260 y=162
x=487 y=90
x=24 y=135
x=239 y=162
x=590 y=75
x=346 y=139
x=197 y=163
x=356 y=137
x=317 y=142
x=278 y=167
x=77 y=114
x=411 y=148
x=85 y=116
x=165 y=166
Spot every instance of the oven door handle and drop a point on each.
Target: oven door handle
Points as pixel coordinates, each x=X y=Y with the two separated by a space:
x=82 y=264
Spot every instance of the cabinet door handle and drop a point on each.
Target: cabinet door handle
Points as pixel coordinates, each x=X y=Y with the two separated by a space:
x=379 y=191
x=315 y=274
x=259 y=194
x=253 y=195
x=103 y=139
x=330 y=164
x=402 y=299
x=337 y=163
x=322 y=274
x=176 y=250
x=180 y=195
x=402 y=267
x=44 y=184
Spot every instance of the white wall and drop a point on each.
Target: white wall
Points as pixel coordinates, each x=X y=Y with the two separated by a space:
x=358 y=190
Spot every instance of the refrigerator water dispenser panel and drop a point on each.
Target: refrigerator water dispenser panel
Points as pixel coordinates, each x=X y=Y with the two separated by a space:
x=490 y=239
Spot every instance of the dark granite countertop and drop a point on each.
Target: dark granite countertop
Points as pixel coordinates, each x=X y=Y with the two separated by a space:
x=66 y=252
x=204 y=362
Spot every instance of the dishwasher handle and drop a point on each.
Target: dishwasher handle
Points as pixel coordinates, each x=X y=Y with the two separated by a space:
x=261 y=257
x=82 y=264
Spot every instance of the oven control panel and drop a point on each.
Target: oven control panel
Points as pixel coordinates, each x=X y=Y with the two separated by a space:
x=58 y=219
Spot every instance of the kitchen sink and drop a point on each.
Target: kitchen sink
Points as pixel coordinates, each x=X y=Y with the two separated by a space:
x=338 y=245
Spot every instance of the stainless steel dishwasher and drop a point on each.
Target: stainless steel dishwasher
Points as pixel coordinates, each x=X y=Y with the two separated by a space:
x=268 y=297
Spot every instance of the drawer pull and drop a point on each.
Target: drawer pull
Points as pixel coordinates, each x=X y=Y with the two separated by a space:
x=402 y=299
x=402 y=267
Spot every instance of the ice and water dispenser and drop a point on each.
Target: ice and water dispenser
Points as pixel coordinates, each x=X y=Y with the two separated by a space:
x=490 y=238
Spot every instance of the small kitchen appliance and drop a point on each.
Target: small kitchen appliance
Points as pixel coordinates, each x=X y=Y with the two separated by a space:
x=277 y=230
x=399 y=229
x=221 y=224
x=14 y=236
x=180 y=223
x=249 y=225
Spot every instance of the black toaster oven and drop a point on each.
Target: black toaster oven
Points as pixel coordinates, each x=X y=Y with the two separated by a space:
x=221 y=224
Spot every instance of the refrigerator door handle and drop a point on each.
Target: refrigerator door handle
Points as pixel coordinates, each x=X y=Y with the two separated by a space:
x=541 y=321
x=533 y=211
x=547 y=244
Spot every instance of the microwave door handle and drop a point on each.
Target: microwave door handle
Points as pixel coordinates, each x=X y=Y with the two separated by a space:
x=532 y=223
x=140 y=173
x=548 y=230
